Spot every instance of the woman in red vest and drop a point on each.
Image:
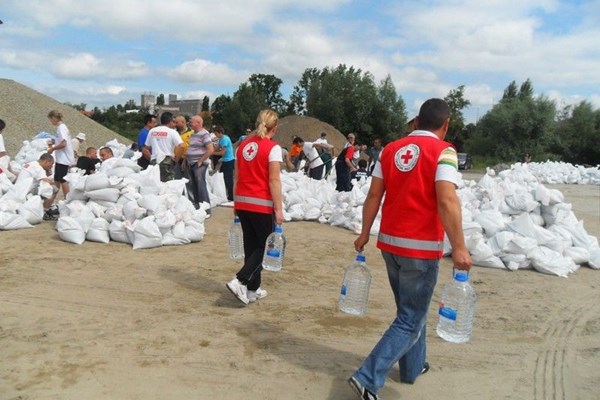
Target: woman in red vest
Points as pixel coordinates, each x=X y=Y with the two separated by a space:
x=257 y=202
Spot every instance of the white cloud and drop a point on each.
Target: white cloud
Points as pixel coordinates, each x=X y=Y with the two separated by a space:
x=78 y=66
x=21 y=59
x=204 y=71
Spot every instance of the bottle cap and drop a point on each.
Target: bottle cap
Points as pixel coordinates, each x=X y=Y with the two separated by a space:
x=278 y=229
x=461 y=276
x=236 y=219
x=360 y=257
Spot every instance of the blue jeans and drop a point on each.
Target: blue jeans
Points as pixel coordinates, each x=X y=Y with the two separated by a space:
x=412 y=281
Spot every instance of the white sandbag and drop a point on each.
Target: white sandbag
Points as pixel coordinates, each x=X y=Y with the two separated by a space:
x=98 y=231
x=313 y=214
x=581 y=237
x=296 y=212
x=9 y=205
x=542 y=194
x=114 y=213
x=594 y=261
x=579 y=255
x=117 y=231
x=560 y=213
x=499 y=242
x=147 y=235
x=10 y=221
x=106 y=194
x=165 y=221
x=46 y=190
x=70 y=230
x=521 y=245
x=76 y=194
x=522 y=201
x=119 y=172
x=516 y=261
x=97 y=209
x=132 y=211
x=194 y=230
x=152 y=203
x=550 y=262
x=176 y=235
x=492 y=221
x=96 y=181
x=32 y=210
x=19 y=191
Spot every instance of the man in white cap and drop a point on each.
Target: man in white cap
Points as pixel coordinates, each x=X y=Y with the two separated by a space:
x=76 y=142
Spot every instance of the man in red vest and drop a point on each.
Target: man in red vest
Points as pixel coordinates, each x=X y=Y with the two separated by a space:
x=418 y=175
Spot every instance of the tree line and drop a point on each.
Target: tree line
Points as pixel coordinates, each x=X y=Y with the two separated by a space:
x=350 y=100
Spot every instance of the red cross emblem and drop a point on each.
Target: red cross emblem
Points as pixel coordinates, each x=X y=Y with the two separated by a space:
x=407 y=157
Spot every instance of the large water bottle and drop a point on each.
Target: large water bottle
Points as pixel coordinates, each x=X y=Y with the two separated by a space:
x=354 y=295
x=273 y=256
x=457 y=309
x=236 y=240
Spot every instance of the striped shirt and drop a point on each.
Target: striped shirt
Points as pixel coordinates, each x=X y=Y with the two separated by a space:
x=197 y=148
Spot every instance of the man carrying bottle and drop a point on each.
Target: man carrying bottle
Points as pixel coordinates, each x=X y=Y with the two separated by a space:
x=418 y=176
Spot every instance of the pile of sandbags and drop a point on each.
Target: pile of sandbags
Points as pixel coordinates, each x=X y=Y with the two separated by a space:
x=131 y=206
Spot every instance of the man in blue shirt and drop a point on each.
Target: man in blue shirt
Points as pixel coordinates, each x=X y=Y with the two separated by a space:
x=225 y=150
x=149 y=123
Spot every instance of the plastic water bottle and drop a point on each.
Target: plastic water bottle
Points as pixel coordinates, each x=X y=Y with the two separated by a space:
x=236 y=240
x=273 y=256
x=354 y=295
x=457 y=309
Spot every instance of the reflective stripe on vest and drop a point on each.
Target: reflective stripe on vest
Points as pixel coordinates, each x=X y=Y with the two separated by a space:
x=254 y=200
x=415 y=244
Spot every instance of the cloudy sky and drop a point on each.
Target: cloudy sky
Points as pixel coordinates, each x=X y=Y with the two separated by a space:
x=104 y=53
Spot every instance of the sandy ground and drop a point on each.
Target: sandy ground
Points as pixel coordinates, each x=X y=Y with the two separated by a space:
x=100 y=321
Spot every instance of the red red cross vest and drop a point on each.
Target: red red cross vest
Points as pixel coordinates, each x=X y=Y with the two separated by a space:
x=252 y=191
x=410 y=225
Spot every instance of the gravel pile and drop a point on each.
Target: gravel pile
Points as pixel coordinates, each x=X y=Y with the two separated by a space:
x=25 y=112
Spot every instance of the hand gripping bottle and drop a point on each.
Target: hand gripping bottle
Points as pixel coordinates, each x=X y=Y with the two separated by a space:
x=354 y=295
x=236 y=240
x=457 y=309
x=273 y=256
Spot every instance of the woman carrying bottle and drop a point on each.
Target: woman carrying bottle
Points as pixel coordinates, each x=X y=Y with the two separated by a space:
x=257 y=202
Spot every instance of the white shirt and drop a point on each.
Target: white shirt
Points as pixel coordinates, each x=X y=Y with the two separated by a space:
x=75 y=144
x=163 y=141
x=2 y=148
x=312 y=154
x=35 y=171
x=444 y=171
x=65 y=155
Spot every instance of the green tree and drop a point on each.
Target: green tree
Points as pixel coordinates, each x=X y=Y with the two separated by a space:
x=205 y=104
x=578 y=133
x=269 y=86
x=389 y=112
x=457 y=102
x=160 y=100
x=516 y=126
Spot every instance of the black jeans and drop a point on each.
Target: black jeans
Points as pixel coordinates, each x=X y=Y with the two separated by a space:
x=342 y=181
x=227 y=170
x=256 y=229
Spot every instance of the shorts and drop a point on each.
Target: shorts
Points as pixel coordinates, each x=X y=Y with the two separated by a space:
x=60 y=171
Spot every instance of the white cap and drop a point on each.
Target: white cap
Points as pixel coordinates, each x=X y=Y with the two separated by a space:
x=80 y=136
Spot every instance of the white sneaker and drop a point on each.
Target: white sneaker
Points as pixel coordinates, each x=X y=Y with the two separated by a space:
x=239 y=290
x=257 y=294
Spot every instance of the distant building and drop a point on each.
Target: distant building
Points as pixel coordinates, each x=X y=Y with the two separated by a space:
x=148 y=101
x=189 y=107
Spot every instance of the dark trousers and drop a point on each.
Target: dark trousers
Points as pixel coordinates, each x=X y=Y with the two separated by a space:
x=256 y=229
x=316 y=173
x=227 y=170
x=197 y=185
x=342 y=182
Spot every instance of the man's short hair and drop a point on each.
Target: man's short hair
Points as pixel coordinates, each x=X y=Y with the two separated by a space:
x=46 y=157
x=362 y=163
x=108 y=149
x=2 y=125
x=432 y=115
x=323 y=134
x=148 y=118
x=298 y=140
x=166 y=117
x=219 y=128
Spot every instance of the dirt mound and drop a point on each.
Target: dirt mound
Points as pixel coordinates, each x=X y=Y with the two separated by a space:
x=25 y=112
x=309 y=129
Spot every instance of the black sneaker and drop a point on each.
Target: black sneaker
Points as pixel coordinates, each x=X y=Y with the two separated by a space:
x=425 y=368
x=48 y=216
x=53 y=210
x=362 y=392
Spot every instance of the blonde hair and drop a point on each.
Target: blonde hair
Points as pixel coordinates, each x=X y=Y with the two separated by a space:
x=55 y=114
x=266 y=121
